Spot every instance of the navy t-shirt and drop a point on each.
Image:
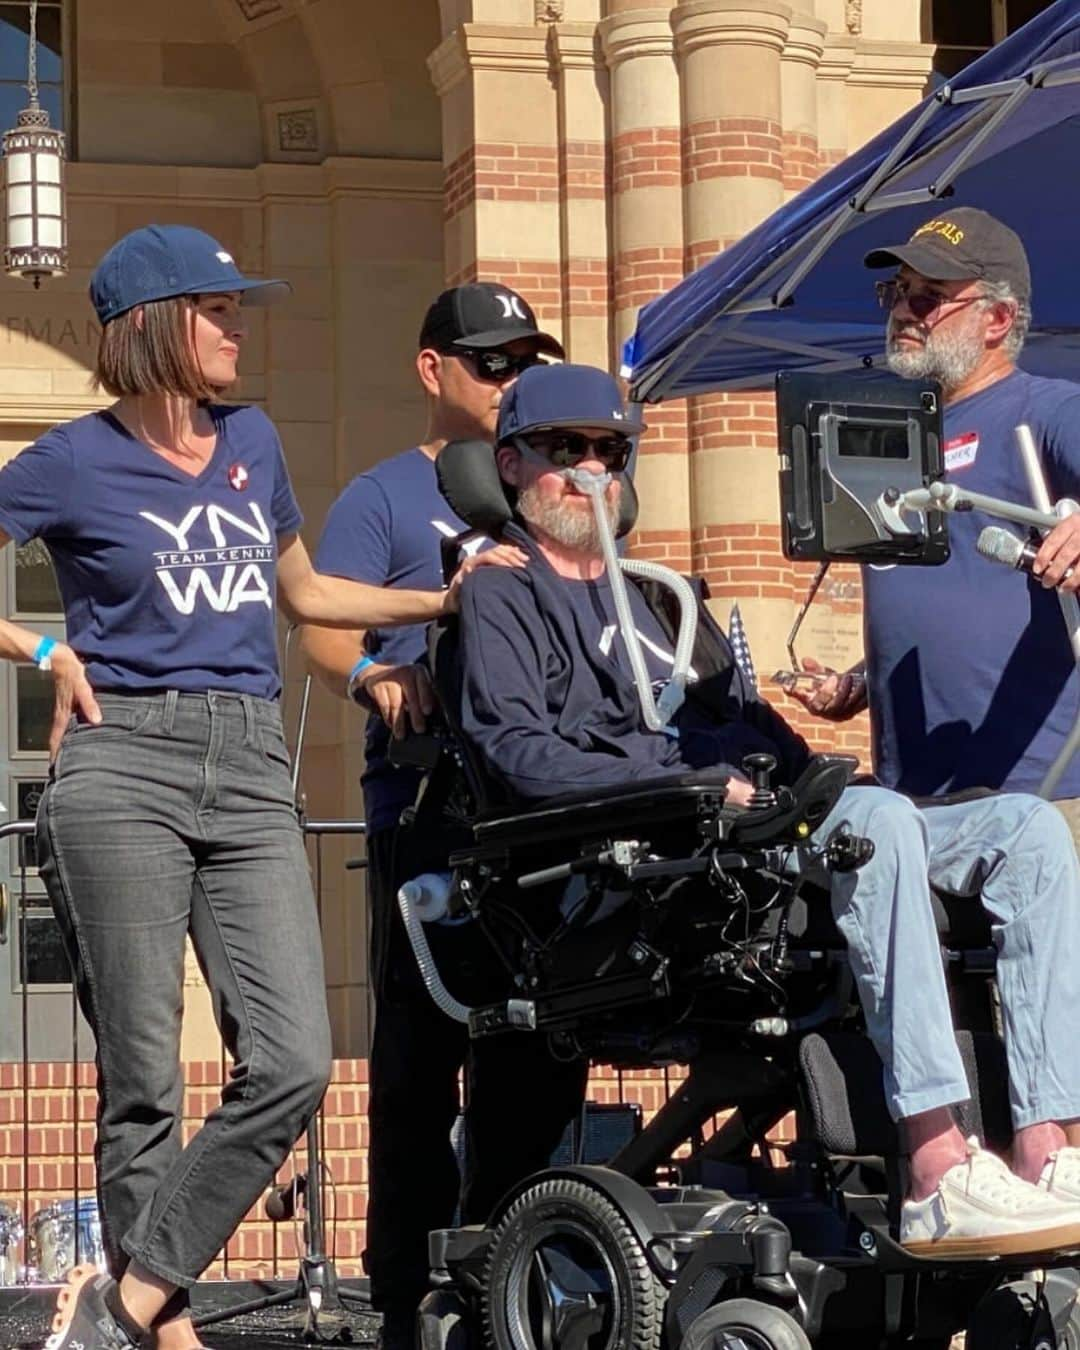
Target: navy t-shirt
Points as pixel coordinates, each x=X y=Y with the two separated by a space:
x=167 y=580
x=971 y=677
x=386 y=529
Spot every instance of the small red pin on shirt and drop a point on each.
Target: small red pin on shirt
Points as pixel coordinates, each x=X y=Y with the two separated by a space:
x=238 y=477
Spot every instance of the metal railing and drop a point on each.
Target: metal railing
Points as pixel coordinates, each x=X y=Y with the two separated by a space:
x=46 y=1229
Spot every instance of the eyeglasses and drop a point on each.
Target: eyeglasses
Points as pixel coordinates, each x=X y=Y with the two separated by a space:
x=565 y=449
x=492 y=363
x=921 y=303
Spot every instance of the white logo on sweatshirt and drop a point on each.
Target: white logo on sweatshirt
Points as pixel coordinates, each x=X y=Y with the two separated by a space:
x=607 y=638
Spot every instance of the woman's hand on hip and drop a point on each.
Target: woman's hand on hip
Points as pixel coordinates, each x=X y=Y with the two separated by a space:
x=72 y=694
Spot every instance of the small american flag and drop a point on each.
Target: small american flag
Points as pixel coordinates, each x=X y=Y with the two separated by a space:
x=741 y=646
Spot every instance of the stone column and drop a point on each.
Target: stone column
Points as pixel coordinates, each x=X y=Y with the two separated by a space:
x=833 y=71
x=584 y=186
x=647 y=248
x=500 y=159
x=729 y=54
x=799 y=102
x=729 y=60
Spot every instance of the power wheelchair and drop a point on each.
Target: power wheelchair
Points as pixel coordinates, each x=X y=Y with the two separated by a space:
x=692 y=941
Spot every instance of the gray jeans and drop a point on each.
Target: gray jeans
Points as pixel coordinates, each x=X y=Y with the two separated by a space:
x=1015 y=853
x=174 y=816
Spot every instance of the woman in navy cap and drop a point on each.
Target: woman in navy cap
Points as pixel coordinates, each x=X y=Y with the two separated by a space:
x=172 y=526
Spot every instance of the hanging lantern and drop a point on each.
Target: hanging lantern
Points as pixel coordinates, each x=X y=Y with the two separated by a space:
x=34 y=156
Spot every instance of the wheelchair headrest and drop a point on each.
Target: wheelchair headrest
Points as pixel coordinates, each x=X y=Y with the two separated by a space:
x=469 y=479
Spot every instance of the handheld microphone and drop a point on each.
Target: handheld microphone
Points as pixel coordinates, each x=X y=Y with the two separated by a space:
x=1005 y=547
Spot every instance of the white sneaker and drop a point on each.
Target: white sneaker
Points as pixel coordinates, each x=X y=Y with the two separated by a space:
x=1060 y=1177
x=980 y=1208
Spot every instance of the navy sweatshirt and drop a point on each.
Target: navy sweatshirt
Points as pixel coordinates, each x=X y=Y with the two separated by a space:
x=554 y=710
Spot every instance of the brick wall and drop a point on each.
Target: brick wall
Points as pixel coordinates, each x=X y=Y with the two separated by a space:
x=47 y=1135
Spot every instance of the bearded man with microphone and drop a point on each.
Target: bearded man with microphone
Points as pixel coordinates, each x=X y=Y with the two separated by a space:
x=968 y=674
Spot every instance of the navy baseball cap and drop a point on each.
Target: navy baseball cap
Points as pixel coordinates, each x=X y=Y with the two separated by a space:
x=482 y=314
x=157 y=262
x=543 y=397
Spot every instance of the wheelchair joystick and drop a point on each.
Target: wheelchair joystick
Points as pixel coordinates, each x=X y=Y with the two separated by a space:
x=759 y=767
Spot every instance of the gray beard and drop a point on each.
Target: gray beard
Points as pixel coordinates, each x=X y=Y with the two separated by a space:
x=571 y=527
x=949 y=358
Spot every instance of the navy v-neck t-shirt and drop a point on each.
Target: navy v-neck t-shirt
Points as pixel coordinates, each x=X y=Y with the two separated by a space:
x=167 y=579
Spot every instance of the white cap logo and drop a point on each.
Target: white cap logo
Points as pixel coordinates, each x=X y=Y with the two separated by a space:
x=222 y=256
x=511 y=305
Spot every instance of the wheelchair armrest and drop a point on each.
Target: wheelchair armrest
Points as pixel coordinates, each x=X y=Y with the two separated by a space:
x=800 y=809
x=617 y=810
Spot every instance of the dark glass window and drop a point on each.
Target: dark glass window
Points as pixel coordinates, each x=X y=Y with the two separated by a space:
x=964 y=29
x=46 y=959
x=963 y=23
x=1020 y=11
x=35 y=581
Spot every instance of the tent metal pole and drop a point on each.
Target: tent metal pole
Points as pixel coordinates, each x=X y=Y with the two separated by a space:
x=859 y=200
x=981 y=93
x=1055 y=78
x=944 y=182
x=942 y=185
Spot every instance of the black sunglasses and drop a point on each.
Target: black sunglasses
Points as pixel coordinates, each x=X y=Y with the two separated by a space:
x=565 y=449
x=921 y=303
x=492 y=363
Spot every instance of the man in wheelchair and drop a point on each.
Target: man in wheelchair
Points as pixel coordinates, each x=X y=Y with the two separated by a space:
x=548 y=706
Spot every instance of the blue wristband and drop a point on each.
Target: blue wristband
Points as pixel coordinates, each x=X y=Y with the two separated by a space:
x=358 y=669
x=42 y=657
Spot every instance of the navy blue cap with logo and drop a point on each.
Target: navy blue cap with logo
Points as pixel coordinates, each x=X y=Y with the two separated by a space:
x=567 y=395
x=158 y=262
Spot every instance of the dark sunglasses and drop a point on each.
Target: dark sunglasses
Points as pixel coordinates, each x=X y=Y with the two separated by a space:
x=565 y=449
x=921 y=303
x=491 y=363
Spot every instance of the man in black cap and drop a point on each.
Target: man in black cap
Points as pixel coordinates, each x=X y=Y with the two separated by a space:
x=386 y=529
x=968 y=674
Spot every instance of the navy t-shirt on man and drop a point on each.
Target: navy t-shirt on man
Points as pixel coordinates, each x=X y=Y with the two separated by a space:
x=970 y=673
x=386 y=529
x=167 y=579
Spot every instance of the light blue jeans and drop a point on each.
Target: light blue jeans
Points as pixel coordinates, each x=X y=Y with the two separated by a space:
x=1014 y=853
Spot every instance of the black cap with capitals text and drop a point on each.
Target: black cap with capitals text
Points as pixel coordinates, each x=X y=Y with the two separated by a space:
x=962 y=244
x=483 y=314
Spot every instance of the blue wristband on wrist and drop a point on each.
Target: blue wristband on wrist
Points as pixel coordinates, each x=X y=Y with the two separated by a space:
x=42 y=657
x=358 y=669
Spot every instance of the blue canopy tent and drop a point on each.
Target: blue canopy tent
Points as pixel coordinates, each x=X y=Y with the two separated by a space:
x=793 y=294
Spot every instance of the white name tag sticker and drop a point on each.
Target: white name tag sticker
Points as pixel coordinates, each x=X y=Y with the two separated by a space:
x=960 y=452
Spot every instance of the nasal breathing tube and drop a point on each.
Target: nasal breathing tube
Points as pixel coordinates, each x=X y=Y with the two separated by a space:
x=656 y=714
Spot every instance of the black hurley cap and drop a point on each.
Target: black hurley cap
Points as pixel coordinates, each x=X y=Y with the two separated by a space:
x=961 y=244
x=482 y=314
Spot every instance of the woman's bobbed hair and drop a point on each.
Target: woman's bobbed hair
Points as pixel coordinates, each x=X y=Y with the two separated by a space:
x=156 y=356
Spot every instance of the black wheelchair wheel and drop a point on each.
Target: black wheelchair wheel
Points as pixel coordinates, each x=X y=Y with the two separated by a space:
x=744 y=1324
x=566 y=1272
x=1013 y=1317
